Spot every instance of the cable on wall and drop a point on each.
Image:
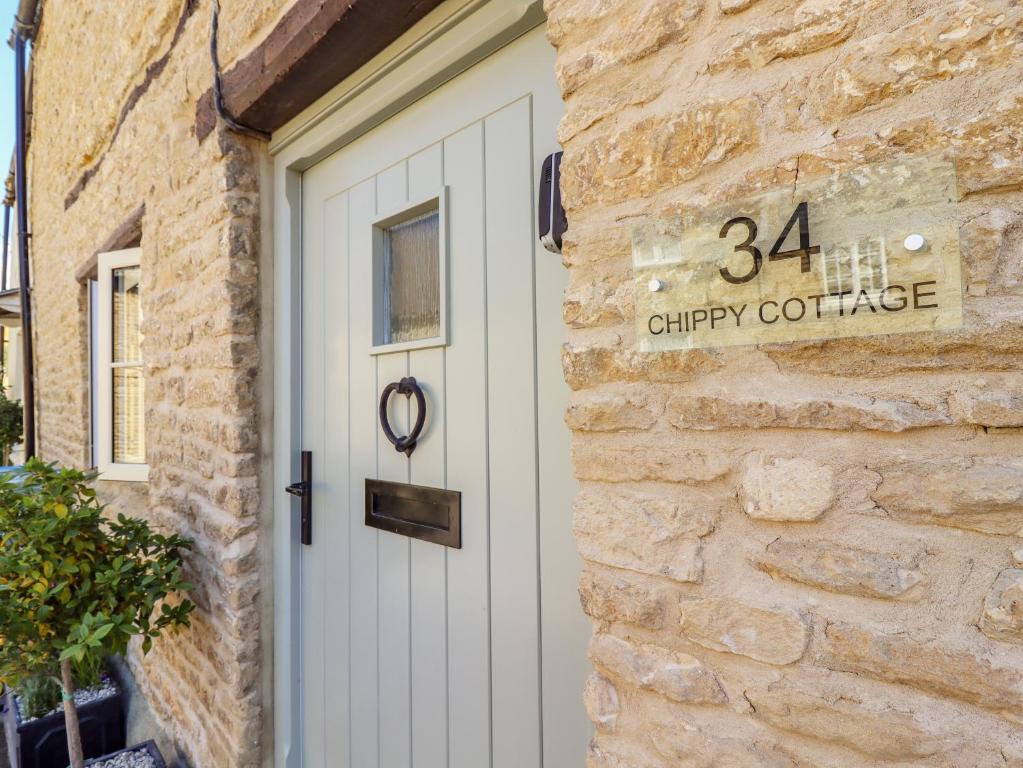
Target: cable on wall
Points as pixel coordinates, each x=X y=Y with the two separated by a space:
x=218 y=91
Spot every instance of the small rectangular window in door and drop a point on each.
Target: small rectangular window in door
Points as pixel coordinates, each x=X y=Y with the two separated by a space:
x=409 y=266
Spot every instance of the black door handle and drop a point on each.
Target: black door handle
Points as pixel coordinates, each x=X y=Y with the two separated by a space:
x=304 y=491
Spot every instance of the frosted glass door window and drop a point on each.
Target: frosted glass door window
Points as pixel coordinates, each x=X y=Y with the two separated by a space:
x=412 y=279
x=129 y=446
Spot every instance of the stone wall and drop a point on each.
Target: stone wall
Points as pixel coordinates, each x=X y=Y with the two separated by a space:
x=800 y=554
x=116 y=87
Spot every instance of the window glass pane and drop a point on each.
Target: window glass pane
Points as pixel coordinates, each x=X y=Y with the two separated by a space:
x=412 y=279
x=127 y=315
x=129 y=441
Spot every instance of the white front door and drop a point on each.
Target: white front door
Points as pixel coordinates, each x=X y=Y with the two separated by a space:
x=420 y=258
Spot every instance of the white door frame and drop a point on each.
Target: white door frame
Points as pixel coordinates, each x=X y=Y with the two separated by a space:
x=449 y=40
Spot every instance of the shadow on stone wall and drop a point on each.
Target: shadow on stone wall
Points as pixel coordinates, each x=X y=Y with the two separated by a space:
x=142 y=723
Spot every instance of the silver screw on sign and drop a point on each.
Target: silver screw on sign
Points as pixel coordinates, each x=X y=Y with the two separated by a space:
x=914 y=242
x=655 y=285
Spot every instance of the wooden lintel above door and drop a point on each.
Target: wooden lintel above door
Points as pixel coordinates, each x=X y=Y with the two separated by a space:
x=314 y=46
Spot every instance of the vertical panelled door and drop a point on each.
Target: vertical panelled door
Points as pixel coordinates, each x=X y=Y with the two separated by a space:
x=414 y=653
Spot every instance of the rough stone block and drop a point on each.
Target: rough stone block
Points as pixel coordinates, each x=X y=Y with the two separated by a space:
x=576 y=17
x=734 y=6
x=676 y=676
x=612 y=464
x=988 y=341
x=588 y=365
x=785 y=489
x=644 y=532
x=621 y=754
x=838 y=568
x=991 y=242
x=948 y=42
x=987 y=147
x=599 y=301
x=984 y=674
x=601 y=701
x=774 y=636
x=811 y=26
x=841 y=412
x=1002 y=618
x=983 y=495
x=685 y=745
x=607 y=596
x=652 y=24
x=864 y=722
x=659 y=151
x=1001 y=408
x=629 y=411
x=616 y=90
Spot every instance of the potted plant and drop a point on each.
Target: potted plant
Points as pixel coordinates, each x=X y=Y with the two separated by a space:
x=34 y=720
x=76 y=585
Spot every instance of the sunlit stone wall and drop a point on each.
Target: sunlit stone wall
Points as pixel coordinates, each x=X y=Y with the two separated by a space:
x=807 y=553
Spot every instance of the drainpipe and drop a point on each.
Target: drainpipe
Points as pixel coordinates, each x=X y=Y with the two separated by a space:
x=24 y=27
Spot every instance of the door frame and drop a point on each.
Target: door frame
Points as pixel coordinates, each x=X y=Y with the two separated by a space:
x=450 y=39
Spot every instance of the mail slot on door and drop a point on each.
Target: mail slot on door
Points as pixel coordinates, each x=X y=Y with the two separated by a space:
x=430 y=514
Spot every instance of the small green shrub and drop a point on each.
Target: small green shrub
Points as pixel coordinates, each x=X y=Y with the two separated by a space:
x=40 y=695
x=75 y=585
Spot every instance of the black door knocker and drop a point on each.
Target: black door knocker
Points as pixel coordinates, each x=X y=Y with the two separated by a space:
x=407 y=387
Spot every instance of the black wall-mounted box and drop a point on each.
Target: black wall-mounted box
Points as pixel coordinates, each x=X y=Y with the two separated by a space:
x=552 y=220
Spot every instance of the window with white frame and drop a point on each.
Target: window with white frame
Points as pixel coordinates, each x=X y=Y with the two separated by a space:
x=119 y=427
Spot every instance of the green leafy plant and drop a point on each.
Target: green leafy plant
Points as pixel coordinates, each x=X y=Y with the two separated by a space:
x=40 y=695
x=75 y=585
x=10 y=425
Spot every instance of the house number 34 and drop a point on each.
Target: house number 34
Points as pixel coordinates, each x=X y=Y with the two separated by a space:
x=803 y=252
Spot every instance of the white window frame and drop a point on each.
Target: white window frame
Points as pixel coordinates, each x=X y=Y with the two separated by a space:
x=93 y=367
x=104 y=413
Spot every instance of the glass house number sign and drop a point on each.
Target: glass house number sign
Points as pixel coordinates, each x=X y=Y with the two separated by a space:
x=871 y=251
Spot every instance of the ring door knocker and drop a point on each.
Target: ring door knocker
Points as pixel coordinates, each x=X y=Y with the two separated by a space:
x=408 y=387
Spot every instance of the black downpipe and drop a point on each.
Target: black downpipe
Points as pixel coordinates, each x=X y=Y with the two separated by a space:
x=21 y=193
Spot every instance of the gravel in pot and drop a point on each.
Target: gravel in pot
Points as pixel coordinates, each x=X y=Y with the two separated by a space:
x=145 y=755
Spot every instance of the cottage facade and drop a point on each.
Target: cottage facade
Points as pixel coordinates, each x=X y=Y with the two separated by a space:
x=790 y=550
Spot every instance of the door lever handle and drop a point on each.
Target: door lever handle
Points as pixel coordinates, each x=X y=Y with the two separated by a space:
x=297 y=489
x=304 y=491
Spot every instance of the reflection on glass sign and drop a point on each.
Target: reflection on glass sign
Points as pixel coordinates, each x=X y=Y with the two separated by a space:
x=871 y=251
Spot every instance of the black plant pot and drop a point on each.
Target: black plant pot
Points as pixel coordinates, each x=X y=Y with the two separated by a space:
x=147 y=746
x=42 y=743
